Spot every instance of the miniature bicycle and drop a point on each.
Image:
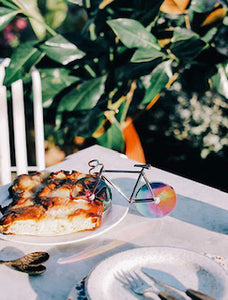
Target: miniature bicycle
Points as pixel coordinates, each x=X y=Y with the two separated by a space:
x=153 y=199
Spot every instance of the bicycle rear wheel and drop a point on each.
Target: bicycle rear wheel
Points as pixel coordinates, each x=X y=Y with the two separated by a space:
x=166 y=196
x=94 y=190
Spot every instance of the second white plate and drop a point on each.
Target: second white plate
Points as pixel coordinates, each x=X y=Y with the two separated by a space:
x=179 y=267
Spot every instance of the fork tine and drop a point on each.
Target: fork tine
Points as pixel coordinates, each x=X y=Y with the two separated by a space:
x=120 y=277
x=124 y=279
x=139 y=278
x=130 y=279
x=134 y=280
x=127 y=279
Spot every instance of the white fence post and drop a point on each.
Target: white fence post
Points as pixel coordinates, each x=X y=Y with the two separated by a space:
x=19 y=127
x=38 y=119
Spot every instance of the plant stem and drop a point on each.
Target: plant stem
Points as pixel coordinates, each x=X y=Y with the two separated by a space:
x=105 y=3
x=90 y=71
x=187 y=22
x=128 y=101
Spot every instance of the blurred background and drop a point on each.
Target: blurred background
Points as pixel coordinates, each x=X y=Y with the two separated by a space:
x=145 y=78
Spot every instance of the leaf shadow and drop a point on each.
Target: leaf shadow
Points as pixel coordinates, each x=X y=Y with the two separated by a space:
x=201 y=214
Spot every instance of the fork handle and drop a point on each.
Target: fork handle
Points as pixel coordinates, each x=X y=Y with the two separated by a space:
x=195 y=295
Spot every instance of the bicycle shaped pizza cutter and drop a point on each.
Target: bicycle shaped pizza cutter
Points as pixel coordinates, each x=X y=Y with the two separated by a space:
x=153 y=199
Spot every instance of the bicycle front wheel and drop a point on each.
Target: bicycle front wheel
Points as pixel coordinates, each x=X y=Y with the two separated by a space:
x=166 y=200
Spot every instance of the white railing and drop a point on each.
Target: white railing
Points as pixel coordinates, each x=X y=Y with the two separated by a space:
x=19 y=127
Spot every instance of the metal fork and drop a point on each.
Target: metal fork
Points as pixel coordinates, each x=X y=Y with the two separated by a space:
x=138 y=285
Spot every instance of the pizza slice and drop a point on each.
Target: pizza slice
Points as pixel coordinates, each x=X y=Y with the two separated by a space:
x=46 y=204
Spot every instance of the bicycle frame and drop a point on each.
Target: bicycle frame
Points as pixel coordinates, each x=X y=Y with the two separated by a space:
x=141 y=174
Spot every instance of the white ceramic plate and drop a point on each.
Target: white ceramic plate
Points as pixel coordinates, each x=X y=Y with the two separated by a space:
x=114 y=216
x=179 y=267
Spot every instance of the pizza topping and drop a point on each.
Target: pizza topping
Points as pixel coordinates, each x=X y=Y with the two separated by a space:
x=51 y=203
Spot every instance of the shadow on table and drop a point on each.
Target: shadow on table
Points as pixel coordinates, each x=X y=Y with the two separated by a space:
x=201 y=214
x=189 y=210
x=10 y=253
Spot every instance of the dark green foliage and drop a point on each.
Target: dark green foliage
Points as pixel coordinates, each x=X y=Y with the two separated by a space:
x=88 y=62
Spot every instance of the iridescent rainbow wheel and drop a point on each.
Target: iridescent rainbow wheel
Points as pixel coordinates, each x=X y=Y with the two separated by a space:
x=165 y=200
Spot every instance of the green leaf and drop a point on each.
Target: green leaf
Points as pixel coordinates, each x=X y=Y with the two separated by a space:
x=112 y=138
x=61 y=50
x=22 y=60
x=225 y=21
x=85 y=123
x=202 y=6
x=220 y=80
x=54 y=80
x=159 y=78
x=210 y=35
x=84 y=96
x=6 y=15
x=56 y=12
x=143 y=55
x=186 y=44
x=132 y=34
x=9 y=4
x=30 y=8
